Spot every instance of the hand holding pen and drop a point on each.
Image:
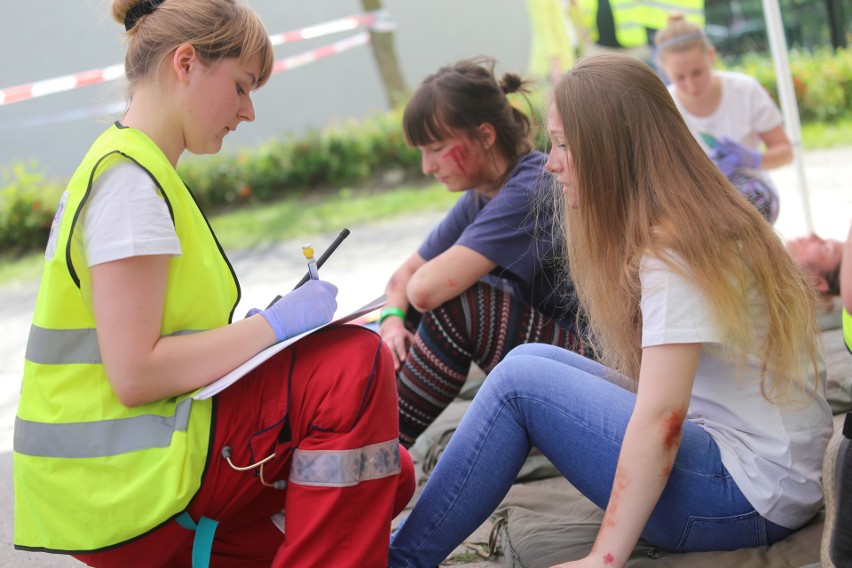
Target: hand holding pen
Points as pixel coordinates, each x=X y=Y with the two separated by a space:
x=305 y=308
x=312 y=302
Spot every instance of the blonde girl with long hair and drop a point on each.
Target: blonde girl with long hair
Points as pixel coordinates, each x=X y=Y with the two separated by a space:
x=115 y=461
x=705 y=426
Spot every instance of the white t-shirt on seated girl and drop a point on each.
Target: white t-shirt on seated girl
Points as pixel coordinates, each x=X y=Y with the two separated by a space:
x=773 y=452
x=125 y=216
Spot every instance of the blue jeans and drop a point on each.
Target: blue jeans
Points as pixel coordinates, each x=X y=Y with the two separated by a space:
x=572 y=410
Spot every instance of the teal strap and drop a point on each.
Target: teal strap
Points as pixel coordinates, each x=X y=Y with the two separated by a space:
x=202 y=544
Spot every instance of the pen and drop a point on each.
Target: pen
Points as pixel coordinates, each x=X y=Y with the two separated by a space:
x=323 y=257
x=308 y=251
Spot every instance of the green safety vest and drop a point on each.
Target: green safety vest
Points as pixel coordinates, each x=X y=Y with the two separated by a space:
x=89 y=472
x=657 y=12
x=628 y=16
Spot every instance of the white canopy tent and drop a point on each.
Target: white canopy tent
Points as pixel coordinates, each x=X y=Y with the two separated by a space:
x=787 y=96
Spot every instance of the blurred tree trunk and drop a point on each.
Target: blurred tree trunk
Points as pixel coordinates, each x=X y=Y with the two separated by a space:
x=382 y=45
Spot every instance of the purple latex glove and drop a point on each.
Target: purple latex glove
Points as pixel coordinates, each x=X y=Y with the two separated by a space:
x=730 y=156
x=310 y=305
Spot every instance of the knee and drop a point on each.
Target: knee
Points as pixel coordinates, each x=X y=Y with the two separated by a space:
x=533 y=350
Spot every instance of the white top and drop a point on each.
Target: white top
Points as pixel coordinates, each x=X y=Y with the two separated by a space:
x=124 y=216
x=745 y=110
x=773 y=452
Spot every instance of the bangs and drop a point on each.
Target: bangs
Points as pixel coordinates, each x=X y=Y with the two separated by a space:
x=257 y=43
x=422 y=121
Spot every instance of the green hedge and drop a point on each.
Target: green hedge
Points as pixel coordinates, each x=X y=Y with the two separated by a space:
x=356 y=153
x=822 y=80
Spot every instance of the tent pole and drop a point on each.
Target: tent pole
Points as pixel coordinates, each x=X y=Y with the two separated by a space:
x=787 y=95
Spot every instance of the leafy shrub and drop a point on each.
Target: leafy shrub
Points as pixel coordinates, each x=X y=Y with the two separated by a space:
x=27 y=205
x=822 y=80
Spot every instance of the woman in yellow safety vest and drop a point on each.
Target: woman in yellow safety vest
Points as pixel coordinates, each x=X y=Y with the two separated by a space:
x=115 y=462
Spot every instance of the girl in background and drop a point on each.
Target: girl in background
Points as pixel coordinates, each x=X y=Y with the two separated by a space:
x=730 y=114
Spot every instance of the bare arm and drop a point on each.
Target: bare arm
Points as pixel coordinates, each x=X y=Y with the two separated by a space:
x=650 y=445
x=425 y=286
x=128 y=297
x=846 y=273
x=446 y=276
x=392 y=329
x=779 y=150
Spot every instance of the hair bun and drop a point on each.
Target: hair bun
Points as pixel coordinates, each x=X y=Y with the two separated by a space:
x=511 y=83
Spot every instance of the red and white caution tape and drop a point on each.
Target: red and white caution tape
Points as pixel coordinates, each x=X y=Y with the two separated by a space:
x=285 y=64
x=60 y=84
x=374 y=20
x=301 y=59
x=377 y=20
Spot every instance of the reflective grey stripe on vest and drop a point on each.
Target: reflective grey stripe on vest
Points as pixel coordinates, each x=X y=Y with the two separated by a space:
x=99 y=439
x=63 y=346
x=343 y=468
x=67 y=346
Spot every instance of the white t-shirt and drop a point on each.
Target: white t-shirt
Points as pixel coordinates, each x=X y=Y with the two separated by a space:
x=124 y=216
x=745 y=110
x=773 y=452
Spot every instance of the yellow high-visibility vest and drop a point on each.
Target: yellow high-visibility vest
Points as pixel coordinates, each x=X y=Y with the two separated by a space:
x=89 y=472
x=657 y=12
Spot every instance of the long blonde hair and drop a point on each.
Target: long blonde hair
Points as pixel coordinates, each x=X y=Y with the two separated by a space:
x=645 y=187
x=218 y=29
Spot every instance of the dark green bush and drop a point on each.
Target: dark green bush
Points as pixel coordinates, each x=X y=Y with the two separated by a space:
x=27 y=205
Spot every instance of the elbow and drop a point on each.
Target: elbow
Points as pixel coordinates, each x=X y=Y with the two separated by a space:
x=421 y=300
x=126 y=390
x=786 y=157
x=129 y=397
x=421 y=297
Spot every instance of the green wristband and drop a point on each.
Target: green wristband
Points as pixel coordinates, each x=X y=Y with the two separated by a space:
x=389 y=311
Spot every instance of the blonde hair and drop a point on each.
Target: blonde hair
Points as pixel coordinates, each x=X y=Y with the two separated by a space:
x=645 y=187
x=218 y=29
x=678 y=36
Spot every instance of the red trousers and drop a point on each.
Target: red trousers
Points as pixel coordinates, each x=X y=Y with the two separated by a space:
x=337 y=390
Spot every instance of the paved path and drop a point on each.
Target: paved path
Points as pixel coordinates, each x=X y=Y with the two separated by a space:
x=360 y=268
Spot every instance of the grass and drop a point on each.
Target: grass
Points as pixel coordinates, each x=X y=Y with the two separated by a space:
x=819 y=135
x=327 y=212
x=299 y=216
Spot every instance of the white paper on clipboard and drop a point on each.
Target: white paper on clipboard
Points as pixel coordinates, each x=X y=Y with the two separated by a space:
x=221 y=384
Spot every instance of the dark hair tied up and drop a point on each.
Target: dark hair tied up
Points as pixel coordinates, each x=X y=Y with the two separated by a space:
x=511 y=83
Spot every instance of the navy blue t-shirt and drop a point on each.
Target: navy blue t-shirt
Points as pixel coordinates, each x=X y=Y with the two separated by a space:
x=512 y=230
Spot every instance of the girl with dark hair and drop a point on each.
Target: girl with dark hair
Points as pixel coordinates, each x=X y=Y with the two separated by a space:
x=485 y=279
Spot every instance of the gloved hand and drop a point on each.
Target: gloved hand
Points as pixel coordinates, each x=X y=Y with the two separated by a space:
x=729 y=156
x=310 y=305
